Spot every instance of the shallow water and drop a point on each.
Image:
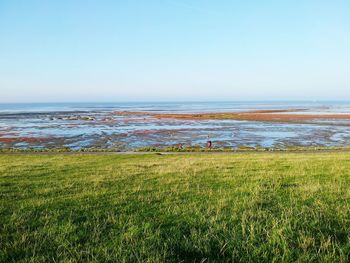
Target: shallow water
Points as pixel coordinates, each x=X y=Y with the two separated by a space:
x=84 y=125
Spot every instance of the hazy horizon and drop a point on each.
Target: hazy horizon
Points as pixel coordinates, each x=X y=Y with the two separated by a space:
x=177 y=102
x=79 y=51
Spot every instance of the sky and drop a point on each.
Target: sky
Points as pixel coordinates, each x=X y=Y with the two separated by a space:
x=174 y=50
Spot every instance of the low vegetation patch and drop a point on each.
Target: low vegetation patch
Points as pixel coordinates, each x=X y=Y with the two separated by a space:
x=175 y=208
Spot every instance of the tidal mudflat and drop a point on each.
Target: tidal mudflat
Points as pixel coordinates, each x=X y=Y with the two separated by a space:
x=128 y=126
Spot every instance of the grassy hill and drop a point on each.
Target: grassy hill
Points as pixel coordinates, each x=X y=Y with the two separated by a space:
x=175 y=208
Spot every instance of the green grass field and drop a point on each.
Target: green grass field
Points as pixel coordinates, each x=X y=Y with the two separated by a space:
x=175 y=208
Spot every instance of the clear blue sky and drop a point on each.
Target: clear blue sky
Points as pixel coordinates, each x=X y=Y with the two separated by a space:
x=127 y=50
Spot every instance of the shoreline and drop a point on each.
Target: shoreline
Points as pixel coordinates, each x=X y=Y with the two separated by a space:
x=183 y=152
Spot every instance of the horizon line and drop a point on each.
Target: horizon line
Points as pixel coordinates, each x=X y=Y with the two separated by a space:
x=176 y=101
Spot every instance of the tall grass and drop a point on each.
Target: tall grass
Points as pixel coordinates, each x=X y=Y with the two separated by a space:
x=176 y=208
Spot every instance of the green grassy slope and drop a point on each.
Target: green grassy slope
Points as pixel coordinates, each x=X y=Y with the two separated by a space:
x=188 y=208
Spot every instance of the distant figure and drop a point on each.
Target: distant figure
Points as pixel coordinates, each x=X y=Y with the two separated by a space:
x=209 y=143
x=180 y=146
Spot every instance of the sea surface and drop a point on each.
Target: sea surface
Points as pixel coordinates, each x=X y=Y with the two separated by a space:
x=96 y=125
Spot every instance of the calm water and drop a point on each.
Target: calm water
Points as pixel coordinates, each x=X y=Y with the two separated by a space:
x=341 y=107
x=80 y=125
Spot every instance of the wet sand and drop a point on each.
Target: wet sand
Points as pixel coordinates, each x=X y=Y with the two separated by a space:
x=129 y=130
